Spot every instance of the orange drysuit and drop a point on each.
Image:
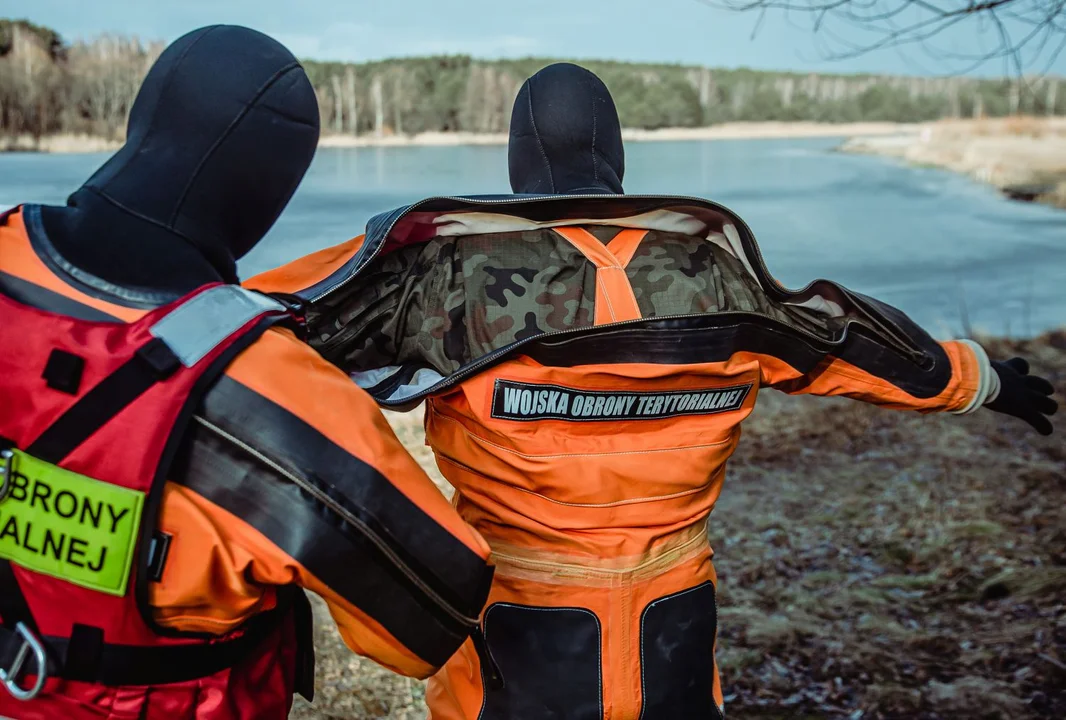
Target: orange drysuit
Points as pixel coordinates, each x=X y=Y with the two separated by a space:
x=590 y=459
x=289 y=477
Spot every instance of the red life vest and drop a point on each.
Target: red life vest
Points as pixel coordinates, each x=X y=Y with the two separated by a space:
x=91 y=415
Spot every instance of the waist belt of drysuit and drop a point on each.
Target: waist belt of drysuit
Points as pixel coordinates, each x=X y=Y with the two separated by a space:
x=84 y=656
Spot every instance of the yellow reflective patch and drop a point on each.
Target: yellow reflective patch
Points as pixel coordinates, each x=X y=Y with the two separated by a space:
x=69 y=526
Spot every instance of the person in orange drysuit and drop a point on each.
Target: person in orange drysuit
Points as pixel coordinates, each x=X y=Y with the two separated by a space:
x=587 y=359
x=285 y=475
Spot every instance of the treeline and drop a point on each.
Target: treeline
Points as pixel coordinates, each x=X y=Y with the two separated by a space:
x=412 y=95
x=48 y=86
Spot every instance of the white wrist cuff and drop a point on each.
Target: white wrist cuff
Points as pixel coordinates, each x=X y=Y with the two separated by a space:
x=988 y=382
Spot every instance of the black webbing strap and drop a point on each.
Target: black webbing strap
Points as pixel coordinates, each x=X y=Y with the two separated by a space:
x=144 y=664
x=13 y=607
x=152 y=363
x=304 y=625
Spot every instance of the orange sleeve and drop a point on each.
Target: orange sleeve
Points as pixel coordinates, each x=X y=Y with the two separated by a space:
x=295 y=477
x=306 y=271
x=967 y=383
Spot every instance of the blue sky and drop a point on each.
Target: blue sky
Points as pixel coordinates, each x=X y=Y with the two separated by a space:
x=685 y=31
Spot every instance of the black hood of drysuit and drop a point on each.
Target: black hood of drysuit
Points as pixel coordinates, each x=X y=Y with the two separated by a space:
x=565 y=135
x=220 y=135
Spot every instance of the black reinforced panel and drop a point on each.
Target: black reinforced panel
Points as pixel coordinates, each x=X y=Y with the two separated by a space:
x=677 y=635
x=550 y=662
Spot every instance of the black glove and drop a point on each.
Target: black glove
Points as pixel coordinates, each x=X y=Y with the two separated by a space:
x=1023 y=395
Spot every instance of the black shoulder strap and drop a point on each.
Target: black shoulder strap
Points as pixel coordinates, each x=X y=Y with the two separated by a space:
x=152 y=363
x=184 y=336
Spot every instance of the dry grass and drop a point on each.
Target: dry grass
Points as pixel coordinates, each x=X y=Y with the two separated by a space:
x=872 y=565
x=1018 y=126
x=1005 y=152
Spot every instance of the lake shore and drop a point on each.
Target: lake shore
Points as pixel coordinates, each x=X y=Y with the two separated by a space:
x=1025 y=158
x=63 y=143
x=66 y=143
x=725 y=131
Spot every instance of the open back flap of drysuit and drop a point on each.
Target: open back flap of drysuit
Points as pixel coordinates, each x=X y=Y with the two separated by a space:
x=867 y=325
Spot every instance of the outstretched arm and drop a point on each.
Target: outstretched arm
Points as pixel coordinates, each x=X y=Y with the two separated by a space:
x=964 y=381
x=914 y=372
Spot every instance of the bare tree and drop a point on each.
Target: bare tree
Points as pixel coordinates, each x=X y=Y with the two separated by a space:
x=379 y=106
x=349 y=86
x=31 y=82
x=105 y=76
x=1026 y=35
x=338 y=103
x=397 y=102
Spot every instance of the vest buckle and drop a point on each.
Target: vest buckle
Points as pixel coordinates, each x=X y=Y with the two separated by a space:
x=10 y=676
x=7 y=469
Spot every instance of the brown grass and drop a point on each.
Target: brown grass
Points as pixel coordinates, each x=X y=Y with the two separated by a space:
x=871 y=564
x=1017 y=126
x=1016 y=152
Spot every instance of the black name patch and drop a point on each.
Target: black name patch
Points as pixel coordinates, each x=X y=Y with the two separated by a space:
x=532 y=401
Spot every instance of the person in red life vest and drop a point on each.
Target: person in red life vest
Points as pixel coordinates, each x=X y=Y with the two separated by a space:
x=176 y=464
x=587 y=359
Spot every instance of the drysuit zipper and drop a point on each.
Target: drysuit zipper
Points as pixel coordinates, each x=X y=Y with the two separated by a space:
x=497 y=355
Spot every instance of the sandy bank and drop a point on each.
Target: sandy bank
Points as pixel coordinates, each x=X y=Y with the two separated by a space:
x=1024 y=157
x=727 y=131
x=64 y=143
x=768 y=130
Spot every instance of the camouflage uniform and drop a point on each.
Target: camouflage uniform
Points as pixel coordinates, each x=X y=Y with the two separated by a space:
x=448 y=301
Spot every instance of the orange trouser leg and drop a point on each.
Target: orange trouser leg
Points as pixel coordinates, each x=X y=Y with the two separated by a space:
x=578 y=642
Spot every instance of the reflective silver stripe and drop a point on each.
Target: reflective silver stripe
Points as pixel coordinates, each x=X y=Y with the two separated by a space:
x=200 y=325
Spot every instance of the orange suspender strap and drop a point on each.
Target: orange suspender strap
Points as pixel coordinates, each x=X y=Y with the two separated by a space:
x=615 y=300
x=624 y=245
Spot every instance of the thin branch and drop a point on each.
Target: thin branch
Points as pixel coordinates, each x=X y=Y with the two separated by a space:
x=1024 y=32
